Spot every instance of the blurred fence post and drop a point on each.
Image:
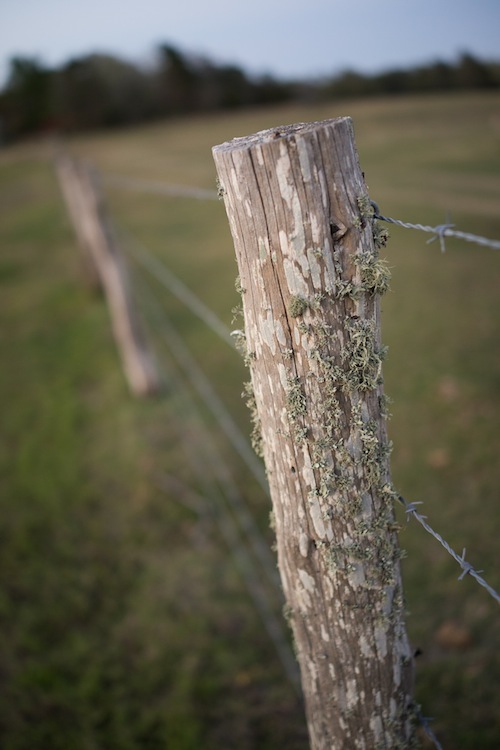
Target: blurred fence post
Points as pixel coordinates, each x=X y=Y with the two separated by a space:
x=106 y=267
x=311 y=279
x=74 y=200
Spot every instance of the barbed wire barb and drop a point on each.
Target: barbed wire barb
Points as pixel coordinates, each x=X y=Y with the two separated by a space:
x=467 y=567
x=440 y=232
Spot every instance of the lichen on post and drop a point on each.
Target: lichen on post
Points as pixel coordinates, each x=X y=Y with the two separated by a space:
x=308 y=258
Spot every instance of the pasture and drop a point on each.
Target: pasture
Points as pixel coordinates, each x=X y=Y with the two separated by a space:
x=124 y=619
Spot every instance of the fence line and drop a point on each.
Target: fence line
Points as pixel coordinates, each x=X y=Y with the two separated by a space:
x=467 y=568
x=272 y=624
x=161 y=188
x=211 y=399
x=202 y=385
x=191 y=370
x=163 y=275
x=206 y=462
x=176 y=287
x=204 y=389
x=441 y=231
x=173 y=284
x=85 y=204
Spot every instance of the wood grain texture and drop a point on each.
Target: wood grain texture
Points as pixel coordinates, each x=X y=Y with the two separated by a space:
x=311 y=279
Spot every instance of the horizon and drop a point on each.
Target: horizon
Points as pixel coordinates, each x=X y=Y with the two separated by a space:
x=306 y=43
x=193 y=55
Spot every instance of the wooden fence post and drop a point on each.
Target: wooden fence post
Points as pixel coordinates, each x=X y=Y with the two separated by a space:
x=311 y=279
x=70 y=184
x=105 y=260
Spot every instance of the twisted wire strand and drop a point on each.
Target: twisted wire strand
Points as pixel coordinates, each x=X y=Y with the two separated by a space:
x=467 y=568
x=425 y=724
x=161 y=188
x=441 y=231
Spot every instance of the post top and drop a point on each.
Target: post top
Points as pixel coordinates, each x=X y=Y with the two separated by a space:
x=274 y=134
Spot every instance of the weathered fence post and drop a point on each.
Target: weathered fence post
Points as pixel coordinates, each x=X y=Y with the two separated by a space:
x=311 y=279
x=70 y=184
x=86 y=209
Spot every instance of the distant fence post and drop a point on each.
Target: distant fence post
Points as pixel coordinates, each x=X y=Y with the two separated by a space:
x=71 y=188
x=106 y=265
x=311 y=279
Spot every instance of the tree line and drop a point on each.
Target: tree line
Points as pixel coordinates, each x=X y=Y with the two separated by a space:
x=104 y=91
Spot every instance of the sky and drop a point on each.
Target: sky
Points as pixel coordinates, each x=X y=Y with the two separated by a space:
x=286 y=38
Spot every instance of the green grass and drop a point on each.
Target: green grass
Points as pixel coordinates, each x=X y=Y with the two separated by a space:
x=124 y=622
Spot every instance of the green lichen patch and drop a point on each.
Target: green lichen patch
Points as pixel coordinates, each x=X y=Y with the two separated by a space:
x=365 y=206
x=362 y=357
x=374 y=271
x=380 y=235
x=296 y=407
x=349 y=289
x=296 y=399
x=297 y=306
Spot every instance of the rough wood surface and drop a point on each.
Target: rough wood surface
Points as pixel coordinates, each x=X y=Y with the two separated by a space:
x=311 y=279
x=105 y=260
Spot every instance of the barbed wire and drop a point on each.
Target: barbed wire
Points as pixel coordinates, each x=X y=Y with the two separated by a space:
x=161 y=188
x=440 y=232
x=229 y=510
x=425 y=724
x=467 y=568
x=162 y=274
x=173 y=284
x=203 y=387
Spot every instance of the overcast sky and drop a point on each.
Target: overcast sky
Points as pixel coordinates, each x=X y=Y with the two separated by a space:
x=288 y=38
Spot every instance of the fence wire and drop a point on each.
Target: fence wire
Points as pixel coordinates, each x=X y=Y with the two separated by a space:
x=467 y=568
x=159 y=271
x=161 y=188
x=228 y=508
x=440 y=232
x=173 y=284
x=177 y=287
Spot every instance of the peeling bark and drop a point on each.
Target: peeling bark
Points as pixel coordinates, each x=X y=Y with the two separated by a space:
x=311 y=278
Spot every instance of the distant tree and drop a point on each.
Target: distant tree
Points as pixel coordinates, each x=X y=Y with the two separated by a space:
x=178 y=82
x=101 y=91
x=233 y=86
x=468 y=72
x=268 y=90
x=347 y=84
x=472 y=73
x=229 y=87
x=438 y=76
x=393 y=82
x=25 y=104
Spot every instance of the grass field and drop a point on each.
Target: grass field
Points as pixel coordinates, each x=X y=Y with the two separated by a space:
x=124 y=622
